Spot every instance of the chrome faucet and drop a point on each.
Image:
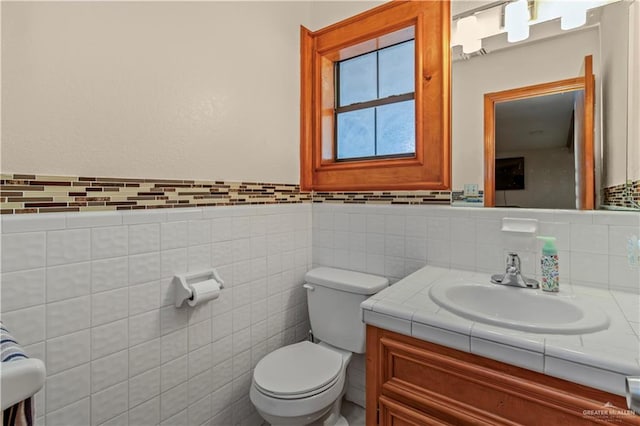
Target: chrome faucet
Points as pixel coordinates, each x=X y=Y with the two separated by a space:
x=512 y=276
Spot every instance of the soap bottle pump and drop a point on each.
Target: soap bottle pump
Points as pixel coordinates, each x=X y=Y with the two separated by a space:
x=549 y=264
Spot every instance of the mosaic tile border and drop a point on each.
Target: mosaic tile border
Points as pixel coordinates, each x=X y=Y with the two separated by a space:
x=23 y=193
x=458 y=198
x=30 y=193
x=623 y=195
x=384 y=197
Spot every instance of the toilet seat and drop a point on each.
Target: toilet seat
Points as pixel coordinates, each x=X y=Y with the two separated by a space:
x=298 y=371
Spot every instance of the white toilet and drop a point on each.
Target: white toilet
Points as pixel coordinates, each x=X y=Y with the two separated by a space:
x=303 y=383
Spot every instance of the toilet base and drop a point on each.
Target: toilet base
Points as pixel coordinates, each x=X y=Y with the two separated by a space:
x=342 y=422
x=331 y=418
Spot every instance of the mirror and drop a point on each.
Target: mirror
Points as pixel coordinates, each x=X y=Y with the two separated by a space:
x=551 y=55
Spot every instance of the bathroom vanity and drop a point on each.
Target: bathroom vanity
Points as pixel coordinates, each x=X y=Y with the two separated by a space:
x=427 y=365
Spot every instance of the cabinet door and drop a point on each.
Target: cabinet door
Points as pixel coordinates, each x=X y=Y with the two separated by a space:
x=392 y=413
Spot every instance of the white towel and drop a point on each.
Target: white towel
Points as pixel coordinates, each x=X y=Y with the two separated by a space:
x=20 y=414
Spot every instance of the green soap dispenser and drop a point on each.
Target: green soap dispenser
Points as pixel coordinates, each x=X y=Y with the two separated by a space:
x=549 y=264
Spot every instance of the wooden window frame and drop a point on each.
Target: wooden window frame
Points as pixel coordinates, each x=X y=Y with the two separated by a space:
x=428 y=22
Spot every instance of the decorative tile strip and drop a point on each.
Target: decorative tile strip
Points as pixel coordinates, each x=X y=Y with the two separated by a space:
x=22 y=193
x=383 y=197
x=459 y=199
x=28 y=193
x=623 y=195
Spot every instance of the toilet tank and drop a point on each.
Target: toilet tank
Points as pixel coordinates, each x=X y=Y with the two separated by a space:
x=334 y=297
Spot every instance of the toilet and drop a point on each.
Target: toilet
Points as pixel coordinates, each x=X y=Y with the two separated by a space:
x=303 y=383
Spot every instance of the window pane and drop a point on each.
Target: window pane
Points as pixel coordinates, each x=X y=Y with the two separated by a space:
x=358 y=79
x=396 y=69
x=356 y=136
x=396 y=128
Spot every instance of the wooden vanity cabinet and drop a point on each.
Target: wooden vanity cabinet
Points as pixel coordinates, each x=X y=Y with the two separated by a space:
x=413 y=382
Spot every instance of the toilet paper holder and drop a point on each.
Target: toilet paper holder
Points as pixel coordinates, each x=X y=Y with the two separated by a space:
x=183 y=283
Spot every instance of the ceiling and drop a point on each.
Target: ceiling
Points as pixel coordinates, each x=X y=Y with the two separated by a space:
x=535 y=123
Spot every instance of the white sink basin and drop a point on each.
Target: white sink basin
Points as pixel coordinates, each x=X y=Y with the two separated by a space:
x=520 y=308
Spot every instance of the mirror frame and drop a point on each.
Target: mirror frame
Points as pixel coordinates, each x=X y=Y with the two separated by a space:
x=587 y=175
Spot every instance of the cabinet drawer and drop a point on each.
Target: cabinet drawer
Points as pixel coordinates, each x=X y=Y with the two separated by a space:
x=392 y=413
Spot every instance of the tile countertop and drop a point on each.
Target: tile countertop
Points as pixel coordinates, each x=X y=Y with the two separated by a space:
x=601 y=360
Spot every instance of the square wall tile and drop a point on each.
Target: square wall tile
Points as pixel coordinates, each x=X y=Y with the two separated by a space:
x=174 y=372
x=69 y=246
x=144 y=387
x=109 y=306
x=109 y=338
x=109 y=403
x=144 y=327
x=68 y=316
x=144 y=268
x=22 y=289
x=26 y=325
x=67 y=387
x=112 y=241
x=144 y=297
x=590 y=238
x=145 y=413
x=109 y=274
x=144 y=357
x=68 y=281
x=589 y=267
x=174 y=235
x=23 y=251
x=109 y=370
x=60 y=358
x=173 y=401
x=76 y=414
x=144 y=238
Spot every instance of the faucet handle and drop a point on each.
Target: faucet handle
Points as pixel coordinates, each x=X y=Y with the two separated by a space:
x=513 y=262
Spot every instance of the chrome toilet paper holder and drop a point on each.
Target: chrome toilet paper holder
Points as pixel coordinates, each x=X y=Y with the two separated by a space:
x=183 y=282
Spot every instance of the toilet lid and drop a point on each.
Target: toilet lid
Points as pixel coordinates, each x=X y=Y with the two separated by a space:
x=297 y=369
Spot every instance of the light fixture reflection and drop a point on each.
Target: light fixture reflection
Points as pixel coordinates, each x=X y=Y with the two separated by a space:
x=468 y=32
x=470 y=46
x=574 y=15
x=516 y=21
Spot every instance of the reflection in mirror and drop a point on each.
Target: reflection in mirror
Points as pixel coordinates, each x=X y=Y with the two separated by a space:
x=535 y=163
x=551 y=54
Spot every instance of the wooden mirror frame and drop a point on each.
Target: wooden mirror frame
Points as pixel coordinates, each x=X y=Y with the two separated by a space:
x=587 y=176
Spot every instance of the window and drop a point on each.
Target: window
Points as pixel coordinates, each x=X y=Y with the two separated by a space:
x=375 y=109
x=375 y=100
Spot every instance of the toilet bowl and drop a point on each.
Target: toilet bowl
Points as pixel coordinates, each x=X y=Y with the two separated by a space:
x=303 y=383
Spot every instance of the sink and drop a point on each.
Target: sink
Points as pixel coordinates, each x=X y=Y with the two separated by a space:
x=520 y=309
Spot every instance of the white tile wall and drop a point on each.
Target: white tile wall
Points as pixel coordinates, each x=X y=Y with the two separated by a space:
x=91 y=294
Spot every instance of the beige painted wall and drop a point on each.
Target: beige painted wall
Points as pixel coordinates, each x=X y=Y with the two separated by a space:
x=324 y=13
x=614 y=41
x=634 y=92
x=199 y=90
x=536 y=62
